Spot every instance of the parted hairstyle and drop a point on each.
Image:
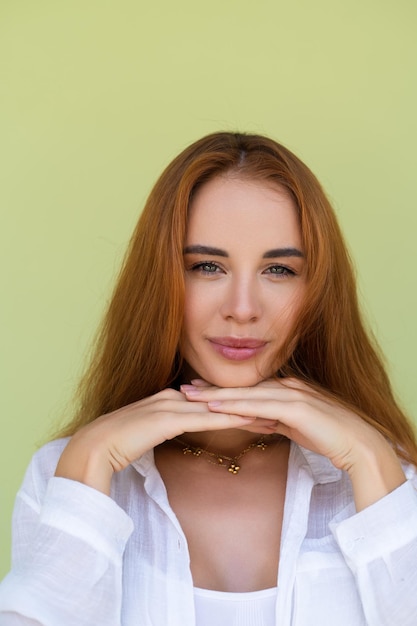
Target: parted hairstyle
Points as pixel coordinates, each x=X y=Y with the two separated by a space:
x=136 y=352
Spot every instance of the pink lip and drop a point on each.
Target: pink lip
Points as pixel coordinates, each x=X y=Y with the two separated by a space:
x=237 y=348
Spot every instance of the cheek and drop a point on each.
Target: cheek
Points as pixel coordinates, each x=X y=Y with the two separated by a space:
x=290 y=332
x=285 y=322
x=299 y=304
x=285 y=309
x=296 y=301
x=194 y=320
x=191 y=318
x=198 y=308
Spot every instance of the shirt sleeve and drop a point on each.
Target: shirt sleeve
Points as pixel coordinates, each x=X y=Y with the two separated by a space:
x=68 y=545
x=379 y=545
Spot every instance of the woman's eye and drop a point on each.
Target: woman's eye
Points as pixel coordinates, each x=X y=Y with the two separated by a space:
x=206 y=268
x=279 y=270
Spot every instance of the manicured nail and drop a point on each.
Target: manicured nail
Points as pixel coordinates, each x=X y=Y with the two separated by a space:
x=189 y=390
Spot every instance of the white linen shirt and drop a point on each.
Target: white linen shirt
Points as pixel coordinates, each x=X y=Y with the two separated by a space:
x=83 y=558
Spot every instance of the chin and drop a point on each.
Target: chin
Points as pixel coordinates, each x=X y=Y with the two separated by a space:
x=227 y=375
x=234 y=379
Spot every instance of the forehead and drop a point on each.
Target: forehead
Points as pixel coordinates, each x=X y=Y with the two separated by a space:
x=237 y=210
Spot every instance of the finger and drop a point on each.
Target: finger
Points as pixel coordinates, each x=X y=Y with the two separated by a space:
x=296 y=420
x=200 y=422
x=264 y=391
x=199 y=382
x=313 y=392
x=165 y=394
x=257 y=392
x=291 y=414
x=267 y=427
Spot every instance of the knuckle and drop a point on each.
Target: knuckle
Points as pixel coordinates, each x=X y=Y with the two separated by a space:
x=294 y=383
x=169 y=393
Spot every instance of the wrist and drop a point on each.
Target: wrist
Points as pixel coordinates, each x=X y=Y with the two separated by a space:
x=86 y=463
x=374 y=472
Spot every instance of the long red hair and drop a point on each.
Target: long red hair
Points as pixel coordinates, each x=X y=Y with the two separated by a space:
x=136 y=352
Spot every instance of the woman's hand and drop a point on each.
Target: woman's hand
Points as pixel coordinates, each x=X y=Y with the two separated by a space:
x=111 y=442
x=293 y=409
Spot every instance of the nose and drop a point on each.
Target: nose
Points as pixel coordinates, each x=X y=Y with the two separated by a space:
x=241 y=301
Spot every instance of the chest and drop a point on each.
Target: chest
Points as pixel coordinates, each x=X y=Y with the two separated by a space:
x=315 y=585
x=232 y=525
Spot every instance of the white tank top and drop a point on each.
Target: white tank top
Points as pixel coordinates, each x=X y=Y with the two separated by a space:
x=254 y=608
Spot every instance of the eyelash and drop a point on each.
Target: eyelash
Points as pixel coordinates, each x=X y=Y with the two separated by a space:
x=286 y=271
x=199 y=267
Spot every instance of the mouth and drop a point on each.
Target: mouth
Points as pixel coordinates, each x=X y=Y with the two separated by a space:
x=237 y=348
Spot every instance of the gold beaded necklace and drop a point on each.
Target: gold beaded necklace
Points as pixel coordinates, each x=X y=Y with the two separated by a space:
x=222 y=460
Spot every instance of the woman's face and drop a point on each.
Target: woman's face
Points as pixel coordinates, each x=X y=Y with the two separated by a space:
x=244 y=280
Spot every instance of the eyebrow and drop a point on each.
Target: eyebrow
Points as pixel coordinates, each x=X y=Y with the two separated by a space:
x=269 y=254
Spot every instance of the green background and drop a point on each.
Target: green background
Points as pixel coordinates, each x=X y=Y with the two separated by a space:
x=98 y=96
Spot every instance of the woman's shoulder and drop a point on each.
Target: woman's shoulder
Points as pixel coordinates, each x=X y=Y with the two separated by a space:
x=42 y=467
x=46 y=458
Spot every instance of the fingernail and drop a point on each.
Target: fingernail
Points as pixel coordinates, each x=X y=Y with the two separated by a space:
x=189 y=390
x=198 y=381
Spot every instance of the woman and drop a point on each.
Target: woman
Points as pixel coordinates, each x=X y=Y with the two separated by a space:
x=238 y=456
